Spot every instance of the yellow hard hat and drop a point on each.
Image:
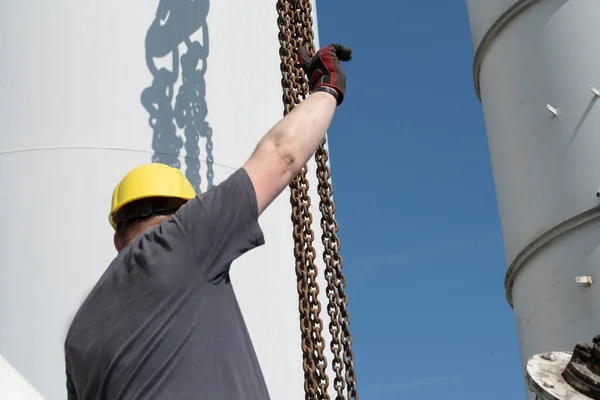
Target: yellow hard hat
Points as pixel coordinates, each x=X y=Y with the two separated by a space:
x=149 y=180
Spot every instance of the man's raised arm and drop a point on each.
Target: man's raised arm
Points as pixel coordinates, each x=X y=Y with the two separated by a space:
x=286 y=148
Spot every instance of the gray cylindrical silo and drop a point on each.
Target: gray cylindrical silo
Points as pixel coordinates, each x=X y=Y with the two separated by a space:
x=537 y=73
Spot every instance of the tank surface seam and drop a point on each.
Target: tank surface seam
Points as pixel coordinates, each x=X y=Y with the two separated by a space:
x=50 y=148
x=511 y=13
x=543 y=240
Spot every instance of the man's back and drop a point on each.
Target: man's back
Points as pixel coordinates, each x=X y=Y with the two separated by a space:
x=163 y=321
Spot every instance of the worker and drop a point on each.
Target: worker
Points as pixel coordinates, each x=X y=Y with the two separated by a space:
x=163 y=321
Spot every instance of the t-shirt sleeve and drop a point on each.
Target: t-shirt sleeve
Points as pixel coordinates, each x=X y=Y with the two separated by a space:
x=71 y=393
x=222 y=224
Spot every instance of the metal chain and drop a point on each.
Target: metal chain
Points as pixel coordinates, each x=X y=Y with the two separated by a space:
x=336 y=282
x=295 y=29
x=314 y=363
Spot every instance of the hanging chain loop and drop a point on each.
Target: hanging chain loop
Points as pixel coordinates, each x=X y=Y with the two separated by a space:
x=295 y=30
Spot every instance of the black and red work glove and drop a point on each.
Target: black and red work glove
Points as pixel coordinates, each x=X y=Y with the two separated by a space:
x=324 y=69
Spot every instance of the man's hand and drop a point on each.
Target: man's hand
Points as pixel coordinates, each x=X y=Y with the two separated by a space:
x=325 y=70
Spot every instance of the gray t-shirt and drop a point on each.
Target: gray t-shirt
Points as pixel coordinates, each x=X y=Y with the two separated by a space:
x=163 y=321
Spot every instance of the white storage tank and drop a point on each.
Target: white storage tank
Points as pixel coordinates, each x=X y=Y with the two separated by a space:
x=89 y=90
x=537 y=70
x=13 y=385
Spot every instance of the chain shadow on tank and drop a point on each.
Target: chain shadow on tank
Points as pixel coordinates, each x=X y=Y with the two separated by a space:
x=172 y=34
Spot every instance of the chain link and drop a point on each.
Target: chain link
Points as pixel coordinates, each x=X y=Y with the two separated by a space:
x=295 y=29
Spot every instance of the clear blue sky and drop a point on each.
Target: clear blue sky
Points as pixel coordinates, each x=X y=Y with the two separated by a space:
x=417 y=208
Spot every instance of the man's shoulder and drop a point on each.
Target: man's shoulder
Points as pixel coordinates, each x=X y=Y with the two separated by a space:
x=132 y=287
x=156 y=262
x=91 y=306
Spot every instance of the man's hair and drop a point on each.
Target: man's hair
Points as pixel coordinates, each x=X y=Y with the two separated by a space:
x=134 y=216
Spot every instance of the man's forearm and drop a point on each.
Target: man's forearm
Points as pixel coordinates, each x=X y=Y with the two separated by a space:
x=298 y=135
x=288 y=145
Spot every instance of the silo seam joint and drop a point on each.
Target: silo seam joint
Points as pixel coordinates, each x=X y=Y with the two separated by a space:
x=498 y=26
x=543 y=240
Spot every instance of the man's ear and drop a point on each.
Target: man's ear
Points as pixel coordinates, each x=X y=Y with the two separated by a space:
x=117 y=242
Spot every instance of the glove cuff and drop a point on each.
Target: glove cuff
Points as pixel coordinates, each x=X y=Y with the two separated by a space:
x=339 y=97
